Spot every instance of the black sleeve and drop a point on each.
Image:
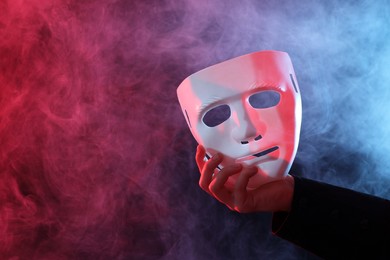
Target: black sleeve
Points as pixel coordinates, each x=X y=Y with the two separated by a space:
x=335 y=223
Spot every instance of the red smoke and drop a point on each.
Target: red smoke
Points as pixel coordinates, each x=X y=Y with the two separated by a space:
x=71 y=181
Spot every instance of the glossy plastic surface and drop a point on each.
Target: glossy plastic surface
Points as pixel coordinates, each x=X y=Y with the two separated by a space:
x=249 y=109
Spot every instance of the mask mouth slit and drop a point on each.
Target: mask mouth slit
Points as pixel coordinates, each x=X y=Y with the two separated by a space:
x=293 y=82
x=270 y=150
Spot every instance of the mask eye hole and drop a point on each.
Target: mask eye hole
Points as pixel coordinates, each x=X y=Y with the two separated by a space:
x=264 y=99
x=216 y=115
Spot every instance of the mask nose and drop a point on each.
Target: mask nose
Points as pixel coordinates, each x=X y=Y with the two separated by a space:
x=245 y=129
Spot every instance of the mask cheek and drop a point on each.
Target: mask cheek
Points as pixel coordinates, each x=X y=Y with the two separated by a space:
x=217 y=139
x=287 y=151
x=209 y=137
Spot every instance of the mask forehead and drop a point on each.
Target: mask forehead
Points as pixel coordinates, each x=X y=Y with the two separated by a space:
x=233 y=78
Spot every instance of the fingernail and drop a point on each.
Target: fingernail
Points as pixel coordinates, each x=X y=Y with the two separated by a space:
x=216 y=156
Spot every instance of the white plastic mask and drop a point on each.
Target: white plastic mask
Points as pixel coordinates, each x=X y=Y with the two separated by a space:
x=249 y=109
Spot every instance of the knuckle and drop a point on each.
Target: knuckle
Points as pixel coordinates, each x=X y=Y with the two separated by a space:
x=203 y=185
x=213 y=188
x=209 y=166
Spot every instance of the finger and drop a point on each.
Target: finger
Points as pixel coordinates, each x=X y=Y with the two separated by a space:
x=207 y=172
x=240 y=188
x=199 y=157
x=217 y=186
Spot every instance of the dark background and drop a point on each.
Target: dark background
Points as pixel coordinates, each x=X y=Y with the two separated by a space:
x=96 y=161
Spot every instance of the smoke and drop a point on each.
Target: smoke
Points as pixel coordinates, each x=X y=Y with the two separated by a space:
x=96 y=161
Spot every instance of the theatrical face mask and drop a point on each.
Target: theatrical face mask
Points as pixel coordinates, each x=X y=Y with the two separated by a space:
x=249 y=109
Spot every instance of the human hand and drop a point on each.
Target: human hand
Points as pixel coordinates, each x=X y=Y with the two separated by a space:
x=271 y=197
